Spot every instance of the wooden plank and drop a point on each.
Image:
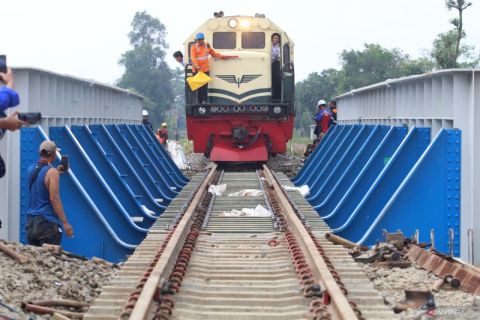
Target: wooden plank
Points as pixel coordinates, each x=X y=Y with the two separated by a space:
x=340 y=304
x=169 y=255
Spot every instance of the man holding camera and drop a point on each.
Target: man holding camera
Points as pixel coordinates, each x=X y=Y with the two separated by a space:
x=45 y=215
x=8 y=98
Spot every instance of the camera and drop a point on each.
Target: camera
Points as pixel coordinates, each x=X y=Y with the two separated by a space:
x=3 y=63
x=30 y=117
x=64 y=166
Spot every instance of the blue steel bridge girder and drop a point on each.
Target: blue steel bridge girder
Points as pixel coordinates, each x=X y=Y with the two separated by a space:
x=396 y=180
x=105 y=193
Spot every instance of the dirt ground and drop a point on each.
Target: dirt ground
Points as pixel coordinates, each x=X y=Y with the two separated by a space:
x=450 y=303
x=47 y=276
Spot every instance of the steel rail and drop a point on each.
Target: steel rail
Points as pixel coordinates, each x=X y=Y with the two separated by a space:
x=142 y=307
x=341 y=307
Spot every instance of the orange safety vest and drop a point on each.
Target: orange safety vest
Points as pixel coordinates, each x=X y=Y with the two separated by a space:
x=199 y=55
x=162 y=135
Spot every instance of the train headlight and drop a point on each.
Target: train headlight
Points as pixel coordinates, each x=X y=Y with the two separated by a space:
x=277 y=109
x=202 y=110
x=245 y=24
x=232 y=23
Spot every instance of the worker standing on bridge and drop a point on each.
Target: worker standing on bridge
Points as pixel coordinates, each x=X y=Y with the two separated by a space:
x=162 y=134
x=145 y=120
x=45 y=215
x=332 y=105
x=322 y=118
x=199 y=53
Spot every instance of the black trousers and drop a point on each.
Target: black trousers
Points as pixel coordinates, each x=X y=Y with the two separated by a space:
x=40 y=231
x=2 y=132
x=276 y=82
x=2 y=167
x=202 y=92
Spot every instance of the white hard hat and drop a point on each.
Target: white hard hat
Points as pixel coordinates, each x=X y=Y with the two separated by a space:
x=164 y=124
x=320 y=102
x=145 y=112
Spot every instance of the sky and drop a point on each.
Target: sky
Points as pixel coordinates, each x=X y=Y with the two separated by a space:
x=86 y=38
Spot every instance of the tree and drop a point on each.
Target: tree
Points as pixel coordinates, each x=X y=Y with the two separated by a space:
x=146 y=71
x=375 y=64
x=309 y=91
x=359 y=68
x=177 y=112
x=460 y=6
x=447 y=47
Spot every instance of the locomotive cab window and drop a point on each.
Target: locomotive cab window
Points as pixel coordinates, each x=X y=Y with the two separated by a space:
x=253 y=40
x=286 y=53
x=224 y=40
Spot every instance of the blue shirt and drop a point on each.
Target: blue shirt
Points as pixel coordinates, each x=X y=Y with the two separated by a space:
x=320 y=114
x=40 y=204
x=8 y=98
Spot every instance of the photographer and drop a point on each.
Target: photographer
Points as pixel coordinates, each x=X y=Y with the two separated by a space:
x=8 y=98
x=45 y=215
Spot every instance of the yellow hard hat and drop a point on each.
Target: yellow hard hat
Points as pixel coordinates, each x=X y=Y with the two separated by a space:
x=164 y=124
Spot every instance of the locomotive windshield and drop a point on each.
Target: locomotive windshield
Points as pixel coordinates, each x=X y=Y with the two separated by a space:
x=253 y=40
x=224 y=40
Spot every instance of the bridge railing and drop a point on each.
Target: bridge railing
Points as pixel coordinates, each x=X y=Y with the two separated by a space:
x=62 y=100
x=439 y=100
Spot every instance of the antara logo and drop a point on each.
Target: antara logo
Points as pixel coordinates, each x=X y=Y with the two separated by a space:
x=246 y=78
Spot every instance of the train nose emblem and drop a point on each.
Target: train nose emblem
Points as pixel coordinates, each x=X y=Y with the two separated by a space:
x=231 y=78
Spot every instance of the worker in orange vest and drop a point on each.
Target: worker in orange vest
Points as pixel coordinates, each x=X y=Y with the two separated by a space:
x=199 y=53
x=162 y=134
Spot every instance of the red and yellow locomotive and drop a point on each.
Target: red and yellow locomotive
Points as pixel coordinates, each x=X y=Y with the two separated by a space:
x=249 y=113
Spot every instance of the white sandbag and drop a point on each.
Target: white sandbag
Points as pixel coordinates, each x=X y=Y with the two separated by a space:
x=217 y=190
x=259 y=211
x=177 y=154
x=304 y=190
x=247 y=193
x=233 y=213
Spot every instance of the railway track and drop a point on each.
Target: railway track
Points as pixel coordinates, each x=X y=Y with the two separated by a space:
x=198 y=263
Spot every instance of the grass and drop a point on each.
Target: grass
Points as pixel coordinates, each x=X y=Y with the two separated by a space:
x=187 y=145
x=298 y=145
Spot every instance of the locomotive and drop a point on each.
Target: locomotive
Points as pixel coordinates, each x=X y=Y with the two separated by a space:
x=241 y=121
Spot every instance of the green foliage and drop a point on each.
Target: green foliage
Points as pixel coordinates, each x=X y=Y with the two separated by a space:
x=446 y=56
x=359 y=68
x=444 y=51
x=375 y=64
x=178 y=84
x=146 y=71
x=187 y=145
x=448 y=51
x=309 y=91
